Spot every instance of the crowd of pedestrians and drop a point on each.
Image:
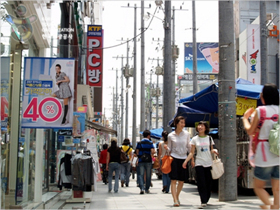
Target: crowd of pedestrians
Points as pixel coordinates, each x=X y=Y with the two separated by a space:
x=198 y=151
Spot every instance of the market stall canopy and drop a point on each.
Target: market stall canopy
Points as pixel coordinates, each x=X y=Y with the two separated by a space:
x=207 y=99
x=99 y=127
x=155 y=133
x=193 y=115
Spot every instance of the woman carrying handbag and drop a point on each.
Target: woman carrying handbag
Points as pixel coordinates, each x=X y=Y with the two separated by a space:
x=178 y=146
x=204 y=147
x=162 y=152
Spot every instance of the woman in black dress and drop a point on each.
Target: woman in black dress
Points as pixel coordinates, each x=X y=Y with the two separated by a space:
x=64 y=92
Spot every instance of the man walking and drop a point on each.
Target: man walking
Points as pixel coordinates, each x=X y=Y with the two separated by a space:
x=145 y=150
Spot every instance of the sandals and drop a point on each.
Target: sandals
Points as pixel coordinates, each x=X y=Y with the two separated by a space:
x=176 y=204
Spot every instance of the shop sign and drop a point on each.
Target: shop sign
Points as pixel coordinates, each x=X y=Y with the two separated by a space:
x=60 y=139
x=242 y=104
x=65 y=33
x=94 y=55
x=274 y=32
x=253 y=54
x=5 y=76
x=64 y=132
x=198 y=76
x=82 y=109
x=44 y=93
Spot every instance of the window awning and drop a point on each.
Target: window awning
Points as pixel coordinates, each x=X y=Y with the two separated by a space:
x=99 y=127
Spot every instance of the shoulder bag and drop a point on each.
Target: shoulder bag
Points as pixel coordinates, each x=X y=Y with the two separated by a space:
x=217 y=168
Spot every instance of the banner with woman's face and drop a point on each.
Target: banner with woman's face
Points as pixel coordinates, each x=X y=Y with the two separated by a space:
x=48 y=86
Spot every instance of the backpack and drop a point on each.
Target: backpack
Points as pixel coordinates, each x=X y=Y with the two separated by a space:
x=274 y=138
x=124 y=156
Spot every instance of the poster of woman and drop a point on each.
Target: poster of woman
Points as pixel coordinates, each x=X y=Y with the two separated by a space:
x=207 y=57
x=48 y=93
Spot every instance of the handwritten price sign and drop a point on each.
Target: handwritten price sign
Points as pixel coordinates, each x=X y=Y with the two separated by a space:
x=243 y=104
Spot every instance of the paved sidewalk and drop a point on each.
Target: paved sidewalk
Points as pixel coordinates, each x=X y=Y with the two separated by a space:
x=129 y=198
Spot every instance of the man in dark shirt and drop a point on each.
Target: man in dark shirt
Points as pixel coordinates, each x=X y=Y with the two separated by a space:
x=145 y=150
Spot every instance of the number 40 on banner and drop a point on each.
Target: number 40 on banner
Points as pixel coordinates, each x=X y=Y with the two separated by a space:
x=44 y=110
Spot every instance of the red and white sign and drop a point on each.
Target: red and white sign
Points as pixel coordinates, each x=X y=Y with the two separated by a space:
x=94 y=55
x=253 y=54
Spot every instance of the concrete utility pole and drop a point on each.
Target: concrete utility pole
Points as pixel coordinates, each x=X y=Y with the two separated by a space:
x=263 y=35
x=114 y=110
x=134 y=115
x=142 y=104
x=169 y=77
x=227 y=107
x=194 y=50
x=117 y=98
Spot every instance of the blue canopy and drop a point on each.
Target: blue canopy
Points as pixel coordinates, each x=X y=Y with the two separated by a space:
x=207 y=99
x=155 y=133
x=193 y=115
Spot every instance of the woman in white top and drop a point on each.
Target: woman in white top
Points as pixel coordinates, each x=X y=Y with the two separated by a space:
x=162 y=152
x=178 y=146
x=266 y=163
x=203 y=162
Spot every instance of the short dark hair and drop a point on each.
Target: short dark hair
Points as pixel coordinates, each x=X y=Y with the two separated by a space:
x=58 y=65
x=164 y=135
x=126 y=141
x=105 y=146
x=270 y=94
x=146 y=133
x=177 y=120
x=206 y=126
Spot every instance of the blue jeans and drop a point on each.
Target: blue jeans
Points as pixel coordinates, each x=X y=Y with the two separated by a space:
x=166 y=181
x=113 y=167
x=125 y=172
x=266 y=173
x=142 y=168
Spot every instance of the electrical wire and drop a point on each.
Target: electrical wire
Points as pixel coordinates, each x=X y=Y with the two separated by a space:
x=117 y=45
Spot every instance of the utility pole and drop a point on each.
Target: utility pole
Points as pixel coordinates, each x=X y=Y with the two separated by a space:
x=194 y=50
x=227 y=107
x=142 y=104
x=263 y=35
x=150 y=101
x=117 y=98
x=169 y=77
x=114 y=111
x=134 y=115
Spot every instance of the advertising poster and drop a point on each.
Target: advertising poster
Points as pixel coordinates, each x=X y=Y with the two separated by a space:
x=48 y=93
x=5 y=77
x=207 y=57
x=253 y=54
x=94 y=55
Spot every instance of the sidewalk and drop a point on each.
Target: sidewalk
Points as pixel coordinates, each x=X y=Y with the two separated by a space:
x=129 y=198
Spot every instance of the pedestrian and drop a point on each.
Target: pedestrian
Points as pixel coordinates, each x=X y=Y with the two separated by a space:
x=178 y=146
x=162 y=152
x=125 y=167
x=145 y=150
x=113 y=164
x=102 y=161
x=266 y=163
x=203 y=144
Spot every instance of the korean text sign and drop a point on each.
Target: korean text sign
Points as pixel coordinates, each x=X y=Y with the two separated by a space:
x=94 y=55
x=48 y=90
x=5 y=77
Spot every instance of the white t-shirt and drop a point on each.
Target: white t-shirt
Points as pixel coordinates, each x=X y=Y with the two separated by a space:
x=203 y=153
x=272 y=159
x=179 y=145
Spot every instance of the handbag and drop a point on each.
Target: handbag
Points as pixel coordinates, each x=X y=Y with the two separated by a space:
x=217 y=168
x=156 y=163
x=166 y=164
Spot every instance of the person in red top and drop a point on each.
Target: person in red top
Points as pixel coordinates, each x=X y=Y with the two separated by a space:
x=102 y=160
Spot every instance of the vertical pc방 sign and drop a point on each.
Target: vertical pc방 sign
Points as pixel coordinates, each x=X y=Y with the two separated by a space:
x=48 y=93
x=94 y=55
x=253 y=54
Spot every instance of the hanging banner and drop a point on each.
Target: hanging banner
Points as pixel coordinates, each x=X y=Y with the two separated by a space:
x=48 y=91
x=207 y=57
x=94 y=55
x=5 y=78
x=253 y=54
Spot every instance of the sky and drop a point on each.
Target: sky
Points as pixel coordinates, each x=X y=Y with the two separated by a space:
x=118 y=24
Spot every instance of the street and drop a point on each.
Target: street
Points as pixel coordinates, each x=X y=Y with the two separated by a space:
x=129 y=198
